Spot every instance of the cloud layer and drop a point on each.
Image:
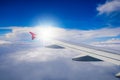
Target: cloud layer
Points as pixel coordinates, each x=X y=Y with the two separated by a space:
x=4 y=42
x=112 y=45
x=24 y=59
x=21 y=62
x=22 y=34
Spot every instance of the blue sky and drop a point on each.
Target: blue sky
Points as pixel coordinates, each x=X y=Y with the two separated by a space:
x=72 y=14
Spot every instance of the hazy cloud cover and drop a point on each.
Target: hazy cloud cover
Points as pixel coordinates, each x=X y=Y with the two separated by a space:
x=22 y=60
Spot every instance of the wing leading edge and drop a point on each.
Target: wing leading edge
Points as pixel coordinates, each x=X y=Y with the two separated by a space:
x=93 y=53
x=89 y=54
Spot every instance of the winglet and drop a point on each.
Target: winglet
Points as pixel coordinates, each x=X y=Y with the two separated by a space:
x=33 y=35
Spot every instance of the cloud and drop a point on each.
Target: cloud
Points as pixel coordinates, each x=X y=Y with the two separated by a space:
x=33 y=61
x=113 y=40
x=109 y=7
x=18 y=33
x=38 y=63
x=4 y=42
x=112 y=45
x=22 y=34
x=110 y=41
x=104 y=32
x=40 y=55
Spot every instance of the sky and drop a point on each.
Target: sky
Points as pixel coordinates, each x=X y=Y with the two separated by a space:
x=78 y=14
x=89 y=22
x=70 y=13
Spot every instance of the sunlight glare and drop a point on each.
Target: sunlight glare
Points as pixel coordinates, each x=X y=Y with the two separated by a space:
x=46 y=33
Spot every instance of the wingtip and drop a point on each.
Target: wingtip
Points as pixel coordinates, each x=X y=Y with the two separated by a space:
x=33 y=35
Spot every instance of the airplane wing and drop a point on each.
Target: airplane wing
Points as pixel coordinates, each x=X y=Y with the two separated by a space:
x=88 y=53
x=91 y=54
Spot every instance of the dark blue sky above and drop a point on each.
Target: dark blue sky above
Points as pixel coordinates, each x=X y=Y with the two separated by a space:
x=78 y=14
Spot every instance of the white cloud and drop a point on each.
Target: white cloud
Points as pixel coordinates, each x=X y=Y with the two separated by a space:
x=113 y=40
x=17 y=61
x=112 y=45
x=4 y=42
x=109 y=7
x=21 y=34
x=110 y=41
x=41 y=55
x=37 y=63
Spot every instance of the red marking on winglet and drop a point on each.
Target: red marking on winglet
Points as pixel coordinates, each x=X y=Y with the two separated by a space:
x=33 y=35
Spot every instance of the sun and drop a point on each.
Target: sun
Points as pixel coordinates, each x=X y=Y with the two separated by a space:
x=46 y=33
